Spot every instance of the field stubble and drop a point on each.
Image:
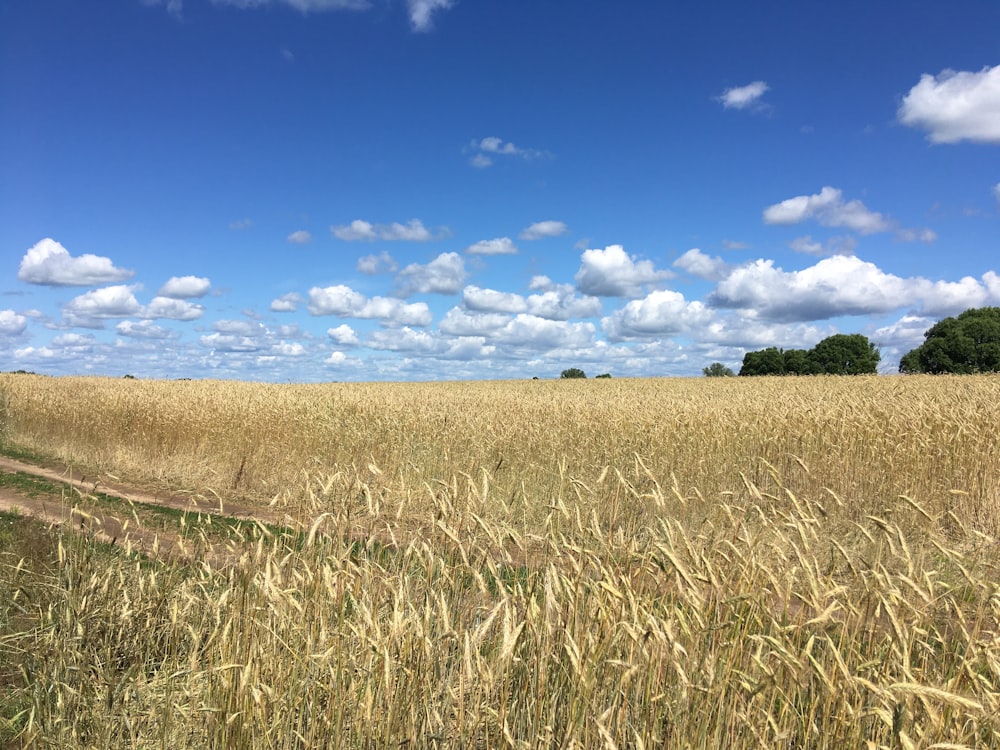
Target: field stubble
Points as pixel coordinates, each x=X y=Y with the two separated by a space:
x=744 y=563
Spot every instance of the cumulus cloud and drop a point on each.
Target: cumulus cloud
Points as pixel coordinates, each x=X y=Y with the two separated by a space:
x=50 y=264
x=531 y=332
x=185 y=287
x=556 y=302
x=344 y=302
x=343 y=335
x=361 y=230
x=560 y=302
x=286 y=302
x=703 y=266
x=300 y=237
x=660 y=313
x=143 y=329
x=443 y=275
x=108 y=302
x=459 y=322
x=431 y=344
x=955 y=106
x=844 y=285
x=489 y=300
x=88 y=310
x=498 y=246
x=744 y=97
x=541 y=229
x=373 y=264
x=829 y=208
x=12 y=324
x=173 y=309
x=614 y=273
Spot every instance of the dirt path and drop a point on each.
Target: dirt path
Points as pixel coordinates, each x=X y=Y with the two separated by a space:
x=116 y=527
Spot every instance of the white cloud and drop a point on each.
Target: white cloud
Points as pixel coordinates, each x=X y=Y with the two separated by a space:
x=359 y=229
x=560 y=302
x=542 y=229
x=373 y=264
x=73 y=341
x=614 y=273
x=697 y=263
x=240 y=224
x=662 y=312
x=742 y=97
x=490 y=300
x=498 y=246
x=286 y=302
x=344 y=302
x=288 y=349
x=833 y=246
x=996 y=193
x=174 y=309
x=185 y=287
x=143 y=329
x=443 y=275
x=343 y=335
x=240 y=327
x=107 y=302
x=458 y=322
x=421 y=12
x=485 y=149
x=531 y=332
x=844 y=285
x=335 y=300
x=300 y=237
x=955 y=106
x=431 y=344
x=224 y=342
x=829 y=209
x=49 y=263
x=12 y=324
x=734 y=245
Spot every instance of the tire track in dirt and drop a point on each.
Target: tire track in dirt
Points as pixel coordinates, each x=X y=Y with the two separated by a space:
x=63 y=508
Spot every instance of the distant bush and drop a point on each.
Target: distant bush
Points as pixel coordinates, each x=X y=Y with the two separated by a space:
x=605 y=375
x=717 y=370
x=573 y=372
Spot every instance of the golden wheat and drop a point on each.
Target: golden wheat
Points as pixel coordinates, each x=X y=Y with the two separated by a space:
x=747 y=563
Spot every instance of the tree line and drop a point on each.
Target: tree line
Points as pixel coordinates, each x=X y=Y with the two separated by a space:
x=965 y=344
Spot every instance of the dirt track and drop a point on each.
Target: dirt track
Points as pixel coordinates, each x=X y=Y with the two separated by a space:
x=63 y=507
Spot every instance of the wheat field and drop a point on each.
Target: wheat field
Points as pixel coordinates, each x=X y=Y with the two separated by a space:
x=787 y=562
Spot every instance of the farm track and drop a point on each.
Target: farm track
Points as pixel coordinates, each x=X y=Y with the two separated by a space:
x=66 y=497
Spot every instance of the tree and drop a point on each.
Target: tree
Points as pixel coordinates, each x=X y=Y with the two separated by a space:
x=845 y=354
x=717 y=370
x=797 y=362
x=573 y=372
x=965 y=344
x=768 y=361
x=605 y=375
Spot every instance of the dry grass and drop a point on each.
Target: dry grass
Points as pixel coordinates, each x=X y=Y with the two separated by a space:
x=717 y=563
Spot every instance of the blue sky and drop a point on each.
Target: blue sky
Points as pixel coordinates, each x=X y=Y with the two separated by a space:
x=313 y=190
